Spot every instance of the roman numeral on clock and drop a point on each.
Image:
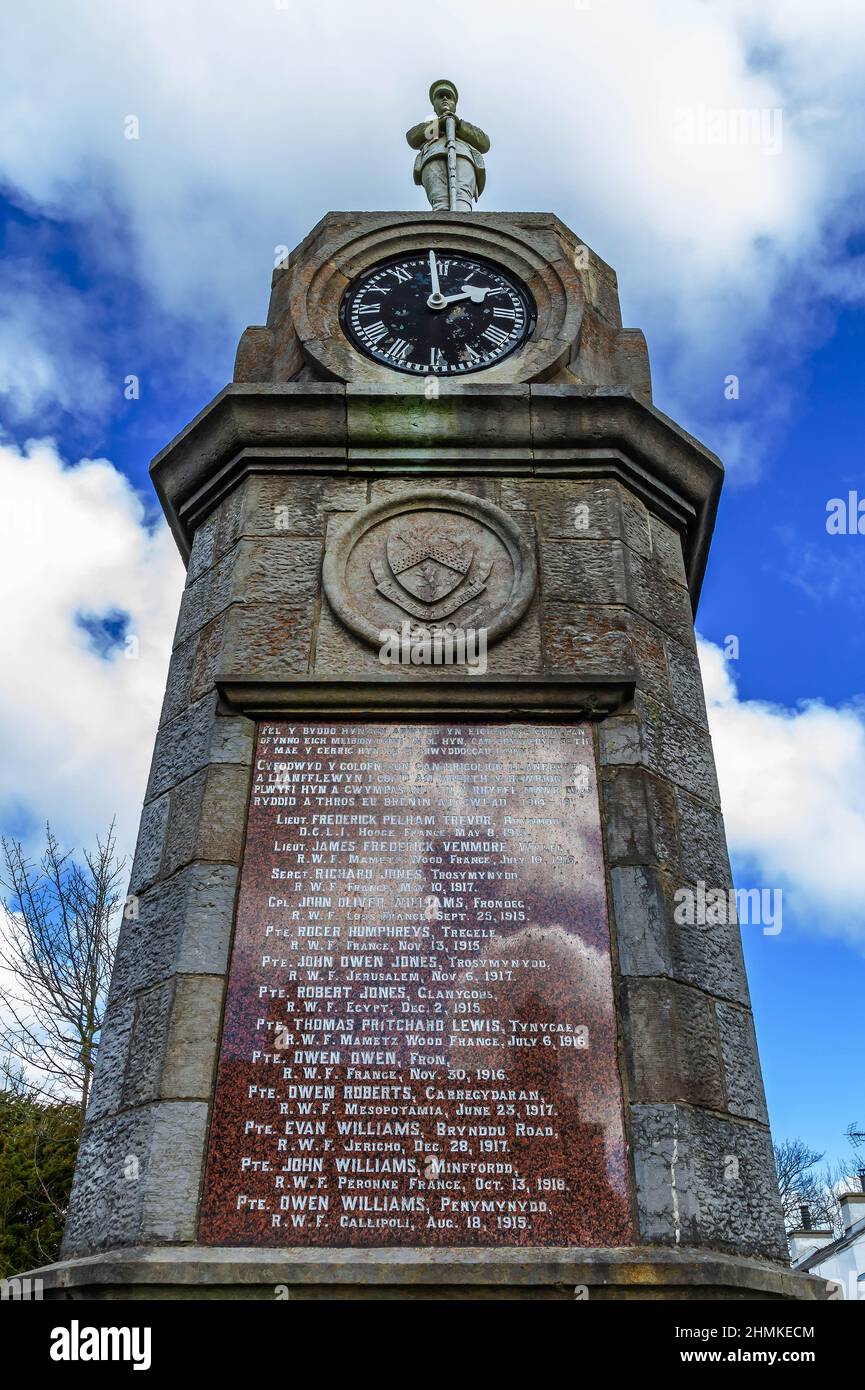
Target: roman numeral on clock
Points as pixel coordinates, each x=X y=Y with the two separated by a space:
x=495 y=335
x=504 y=313
x=401 y=273
x=376 y=332
x=398 y=349
x=369 y=308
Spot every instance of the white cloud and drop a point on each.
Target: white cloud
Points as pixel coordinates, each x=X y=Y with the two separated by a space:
x=793 y=796
x=257 y=118
x=76 y=728
x=46 y=365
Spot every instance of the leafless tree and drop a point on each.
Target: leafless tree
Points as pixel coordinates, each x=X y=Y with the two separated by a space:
x=800 y=1184
x=58 y=949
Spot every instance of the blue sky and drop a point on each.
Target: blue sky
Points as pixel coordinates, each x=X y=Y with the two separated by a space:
x=151 y=256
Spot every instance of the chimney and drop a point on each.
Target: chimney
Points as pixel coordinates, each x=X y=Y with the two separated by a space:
x=804 y=1241
x=852 y=1209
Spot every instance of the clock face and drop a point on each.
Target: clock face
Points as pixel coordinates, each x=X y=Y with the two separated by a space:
x=437 y=313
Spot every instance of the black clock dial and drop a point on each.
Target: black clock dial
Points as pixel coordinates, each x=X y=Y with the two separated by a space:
x=437 y=313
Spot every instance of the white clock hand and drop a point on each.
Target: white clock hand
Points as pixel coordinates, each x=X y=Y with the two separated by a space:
x=472 y=292
x=436 y=300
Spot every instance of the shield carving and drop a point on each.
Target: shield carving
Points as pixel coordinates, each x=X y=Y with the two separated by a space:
x=427 y=563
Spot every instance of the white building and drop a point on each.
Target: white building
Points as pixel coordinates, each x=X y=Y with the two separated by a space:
x=841 y=1260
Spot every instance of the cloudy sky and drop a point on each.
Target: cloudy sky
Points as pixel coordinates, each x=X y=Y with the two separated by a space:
x=739 y=258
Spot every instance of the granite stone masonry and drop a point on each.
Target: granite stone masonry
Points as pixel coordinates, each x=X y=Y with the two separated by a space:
x=403 y=1007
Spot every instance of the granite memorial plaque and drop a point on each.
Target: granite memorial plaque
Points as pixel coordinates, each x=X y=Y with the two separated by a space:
x=419 y=1043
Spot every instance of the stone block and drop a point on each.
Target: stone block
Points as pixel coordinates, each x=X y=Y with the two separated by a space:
x=705 y=1180
x=585 y=641
x=177 y=689
x=208 y=814
x=107 y=1082
x=137 y=1178
x=686 y=681
x=589 y=572
x=193 y=1038
x=143 y=1074
x=703 y=844
x=383 y=488
x=742 y=1079
x=203 y=551
x=148 y=850
x=640 y=814
x=656 y=597
x=182 y=747
x=183 y=927
x=269 y=640
x=640 y=911
x=671 y=1044
x=282 y=568
x=667 y=549
x=709 y=956
x=289 y=504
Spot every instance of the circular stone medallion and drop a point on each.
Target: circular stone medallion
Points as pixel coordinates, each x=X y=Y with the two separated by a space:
x=439 y=560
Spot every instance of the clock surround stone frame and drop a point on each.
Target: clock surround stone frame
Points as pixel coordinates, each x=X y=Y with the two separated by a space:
x=577 y=337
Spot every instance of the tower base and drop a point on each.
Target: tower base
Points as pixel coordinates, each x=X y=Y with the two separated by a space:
x=212 y=1272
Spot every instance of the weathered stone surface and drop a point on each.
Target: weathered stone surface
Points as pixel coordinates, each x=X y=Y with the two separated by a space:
x=702 y=841
x=148 y=850
x=742 y=1079
x=384 y=488
x=585 y=640
x=686 y=682
x=193 y=1038
x=203 y=551
x=137 y=1178
x=207 y=655
x=278 y=505
x=671 y=1044
x=709 y=956
x=177 y=689
x=143 y=1074
x=107 y=1084
x=707 y=1180
x=620 y=741
x=704 y=1180
x=566 y=509
x=640 y=812
x=667 y=549
x=271 y=640
x=282 y=569
x=182 y=747
x=183 y=926
x=640 y=911
x=649 y=592
x=583 y=571
x=657 y=738
x=208 y=814
x=650 y=658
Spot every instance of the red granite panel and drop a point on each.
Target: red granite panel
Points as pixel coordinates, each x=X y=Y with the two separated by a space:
x=419 y=1045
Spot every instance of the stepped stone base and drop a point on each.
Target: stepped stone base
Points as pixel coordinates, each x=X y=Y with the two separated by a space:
x=205 y=1272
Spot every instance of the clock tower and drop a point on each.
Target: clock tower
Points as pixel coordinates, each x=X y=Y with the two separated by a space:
x=406 y=1003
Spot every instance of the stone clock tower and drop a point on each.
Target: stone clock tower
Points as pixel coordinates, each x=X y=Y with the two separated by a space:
x=406 y=1007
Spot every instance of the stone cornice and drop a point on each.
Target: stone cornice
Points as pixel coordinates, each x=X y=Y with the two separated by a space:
x=472 y=429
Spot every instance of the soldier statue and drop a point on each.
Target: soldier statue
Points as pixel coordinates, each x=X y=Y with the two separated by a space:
x=450 y=161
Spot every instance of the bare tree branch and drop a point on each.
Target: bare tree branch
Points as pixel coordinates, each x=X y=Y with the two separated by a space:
x=58 y=947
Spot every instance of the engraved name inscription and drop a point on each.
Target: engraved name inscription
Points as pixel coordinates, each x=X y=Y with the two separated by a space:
x=419 y=1043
